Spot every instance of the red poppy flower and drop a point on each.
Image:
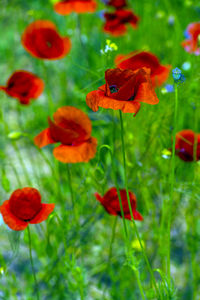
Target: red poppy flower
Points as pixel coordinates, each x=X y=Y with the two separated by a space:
x=124 y=90
x=66 y=7
x=192 y=44
x=116 y=22
x=136 y=60
x=110 y=202
x=184 y=146
x=72 y=128
x=118 y=4
x=24 y=86
x=24 y=207
x=42 y=40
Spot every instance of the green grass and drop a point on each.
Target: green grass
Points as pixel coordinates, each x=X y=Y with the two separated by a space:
x=76 y=253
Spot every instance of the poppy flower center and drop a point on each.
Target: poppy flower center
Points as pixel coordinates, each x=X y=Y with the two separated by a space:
x=183 y=152
x=47 y=43
x=131 y=98
x=113 y=89
x=11 y=85
x=25 y=204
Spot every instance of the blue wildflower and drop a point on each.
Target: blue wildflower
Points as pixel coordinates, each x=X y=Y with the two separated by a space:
x=178 y=76
x=169 y=88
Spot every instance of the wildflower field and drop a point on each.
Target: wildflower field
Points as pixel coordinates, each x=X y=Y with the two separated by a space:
x=100 y=150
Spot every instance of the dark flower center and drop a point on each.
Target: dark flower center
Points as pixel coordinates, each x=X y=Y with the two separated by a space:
x=113 y=89
x=131 y=98
x=11 y=85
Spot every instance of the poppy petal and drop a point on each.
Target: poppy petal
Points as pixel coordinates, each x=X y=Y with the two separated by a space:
x=191 y=45
x=130 y=88
x=117 y=76
x=185 y=145
x=65 y=136
x=67 y=46
x=70 y=113
x=12 y=222
x=42 y=40
x=111 y=203
x=137 y=215
x=146 y=92
x=117 y=3
x=2 y=88
x=25 y=203
x=43 y=213
x=98 y=197
x=69 y=6
x=74 y=154
x=161 y=75
x=96 y=99
x=136 y=60
x=114 y=29
x=44 y=138
x=116 y=21
x=24 y=86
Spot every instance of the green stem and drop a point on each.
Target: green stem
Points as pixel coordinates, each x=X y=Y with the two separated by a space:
x=84 y=50
x=116 y=184
x=47 y=88
x=172 y=175
x=70 y=185
x=112 y=241
x=139 y=284
x=32 y=266
x=193 y=225
x=195 y=150
x=63 y=231
x=110 y=250
x=130 y=209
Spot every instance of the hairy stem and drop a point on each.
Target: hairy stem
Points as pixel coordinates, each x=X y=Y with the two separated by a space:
x=32 y=266
x=172 y=177
x=129 y=204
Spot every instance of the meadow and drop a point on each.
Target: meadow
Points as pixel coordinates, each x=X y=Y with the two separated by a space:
x=81 y=251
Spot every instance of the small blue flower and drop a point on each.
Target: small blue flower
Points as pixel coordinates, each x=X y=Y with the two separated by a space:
x=101 y=14
x=169 y=88
x=178 y=76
